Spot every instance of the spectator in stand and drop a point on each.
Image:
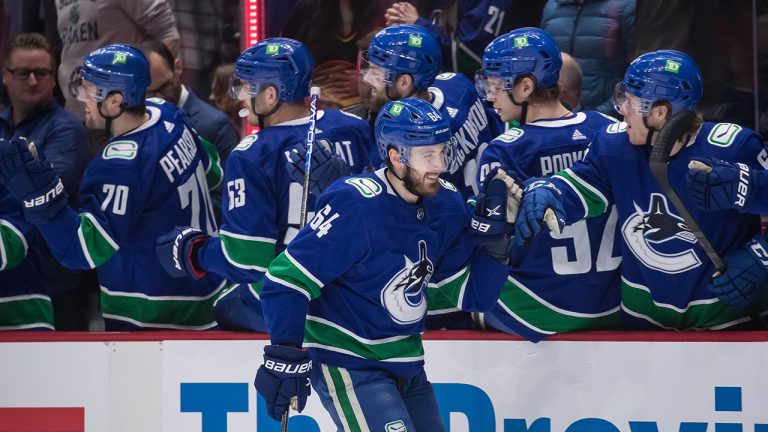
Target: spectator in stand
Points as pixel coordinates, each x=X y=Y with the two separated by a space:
x=220 y=97
x=570 y=84
x=34 y=113
x=199 y=25
x=335 y=54
x=600 y=35
x=87 y=25
x=464 y=28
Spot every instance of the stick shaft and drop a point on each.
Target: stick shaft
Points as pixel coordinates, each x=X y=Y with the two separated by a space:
x=314 y=93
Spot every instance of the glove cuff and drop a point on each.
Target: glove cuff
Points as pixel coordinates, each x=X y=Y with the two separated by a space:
x=194 y=263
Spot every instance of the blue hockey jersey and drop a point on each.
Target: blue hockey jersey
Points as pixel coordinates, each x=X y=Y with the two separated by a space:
x=262 y=204
x=564 y=282
x=24 y=302
x=365 y=262
x=472 y=127
x=143 y=184
x=664 y=270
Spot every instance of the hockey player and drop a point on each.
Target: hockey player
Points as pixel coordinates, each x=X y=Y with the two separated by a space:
x=400 y=229
x=404 y=61
x=665 y=271
x=148 y=179
x=25 y=304
x=262 y=201
x=717 y=185
x=558 y=282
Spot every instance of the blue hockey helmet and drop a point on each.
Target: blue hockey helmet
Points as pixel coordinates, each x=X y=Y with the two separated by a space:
x=114 y=68
x=406 y=49
x=283 y=63
x=525 y=51
x=665 y=75
x=410 y=123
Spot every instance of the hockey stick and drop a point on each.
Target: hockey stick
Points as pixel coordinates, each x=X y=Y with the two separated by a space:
x=660 y=152
x=672 y=130
x=314 y=93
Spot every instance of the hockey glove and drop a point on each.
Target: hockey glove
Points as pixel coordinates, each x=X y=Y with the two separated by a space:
x=31 y=180
x=284 y=375
x=745 y=277
x=718 y=185
x=177 y=252
x=325 y=167
x=540 y=206
x=495 y=212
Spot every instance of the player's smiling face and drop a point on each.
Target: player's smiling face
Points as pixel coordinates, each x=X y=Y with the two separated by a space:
x=502 y=103
x=636 y=128
x=426 y=165
x=87 y=96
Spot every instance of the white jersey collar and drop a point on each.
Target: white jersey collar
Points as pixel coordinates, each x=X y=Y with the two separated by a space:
x=439 y=98
x=573 y=119
x=154 y=117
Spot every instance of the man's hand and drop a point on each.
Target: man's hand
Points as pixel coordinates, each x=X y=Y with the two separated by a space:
x=177 y=252
x=401 y=13
x=745 y=277
x=495 y=213
x=540 y=206
x=718 y=185
x=283 y=376
x=29 y=177
x=325 y=168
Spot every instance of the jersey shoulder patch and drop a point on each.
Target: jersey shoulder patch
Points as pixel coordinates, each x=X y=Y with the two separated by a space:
x=246 y=142
x=366 y=186
x=723 y=134
x=122 y=149
x=448 y=185
x=615 y=128
x=511 y=135
x=445 y=76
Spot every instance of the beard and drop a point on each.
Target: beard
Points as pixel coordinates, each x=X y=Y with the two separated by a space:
x=418 y=184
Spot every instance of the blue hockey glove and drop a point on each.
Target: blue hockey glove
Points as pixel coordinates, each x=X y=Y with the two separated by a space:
x=177 y=252
x=746 y=275
x=718 y=185
x=540 y=206
x=495 y=213
x=284 y=375
x=325 y=167
x=31 y=180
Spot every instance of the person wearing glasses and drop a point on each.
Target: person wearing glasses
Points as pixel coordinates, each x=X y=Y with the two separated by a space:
x=33 y=113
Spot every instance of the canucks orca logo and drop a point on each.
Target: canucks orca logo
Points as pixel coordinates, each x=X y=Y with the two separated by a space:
x=660 y=239
x=404 y=296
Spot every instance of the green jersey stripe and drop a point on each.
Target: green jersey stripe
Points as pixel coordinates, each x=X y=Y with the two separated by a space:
x=251 y=253
x=286 y=271
x=539 y=315
x=344 y=399
x=709 y=314
x=185 y=312
x=97 y=245
x=594 y=202
x=321 y=333
x=13 y=246
x=26 y=311
x=447 y=295
x=214 y=174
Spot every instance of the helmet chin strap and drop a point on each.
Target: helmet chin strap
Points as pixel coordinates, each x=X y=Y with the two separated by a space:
x=649 y=135
x=262 y=117
x=406 y=179
x=108 y=122
x=524 y=105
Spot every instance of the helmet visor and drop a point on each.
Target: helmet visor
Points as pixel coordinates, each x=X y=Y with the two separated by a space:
x=622 y=102
x=241 y=89
x=78 y=88
x=435 y=158
x=370 y=73
x=488 y=86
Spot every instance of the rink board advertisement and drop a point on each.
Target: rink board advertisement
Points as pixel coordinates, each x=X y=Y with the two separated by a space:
x=481 y=385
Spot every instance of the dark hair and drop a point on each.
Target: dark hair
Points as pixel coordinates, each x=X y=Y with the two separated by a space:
x=154 y=46
x=541 y=95
x=29 y=41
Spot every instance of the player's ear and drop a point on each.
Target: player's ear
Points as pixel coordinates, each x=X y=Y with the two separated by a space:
x=527 y=86
x=113 y=102
x=404 y=84
x=659 y=115
x=394 y=156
